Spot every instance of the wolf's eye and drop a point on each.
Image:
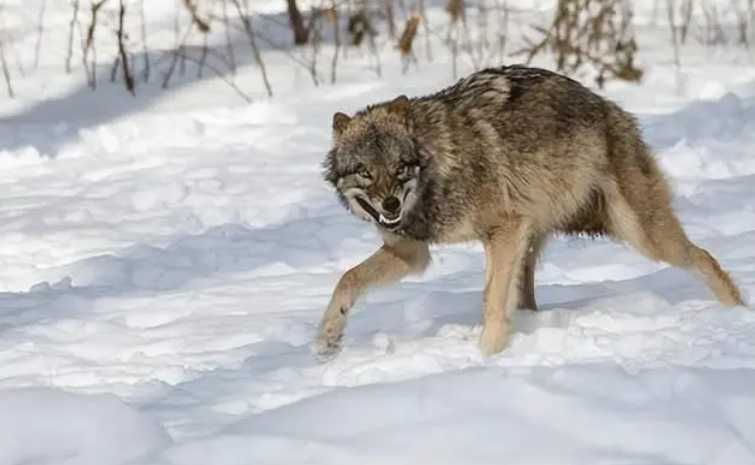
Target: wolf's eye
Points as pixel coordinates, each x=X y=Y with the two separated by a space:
x=404 y=170
x=362 y=172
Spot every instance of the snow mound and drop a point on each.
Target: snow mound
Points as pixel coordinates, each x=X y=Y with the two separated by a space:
x=598 y=414
x=45 y=426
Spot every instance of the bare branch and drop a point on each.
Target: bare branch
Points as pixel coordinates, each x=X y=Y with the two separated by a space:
x=40 y=32
x=74 y=21
x=90 y=32
x=406 y=41
x=229 y=43
x=89 y=45
x=244 y=15
x=219 y=73
x=332 y=18
x=144 y=41
x=603 y=38
x=201 y=24
x=122 y=50
x=6 y=71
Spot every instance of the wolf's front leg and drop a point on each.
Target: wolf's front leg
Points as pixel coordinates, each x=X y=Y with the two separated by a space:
x=505 y=251
x=527 y=279
x=396 y=259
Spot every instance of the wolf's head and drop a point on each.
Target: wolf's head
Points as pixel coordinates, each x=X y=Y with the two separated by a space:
x=374 y=163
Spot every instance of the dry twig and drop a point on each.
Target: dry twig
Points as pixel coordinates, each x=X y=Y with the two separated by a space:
x=246 y=21
x=601 y=37
x=406 y=41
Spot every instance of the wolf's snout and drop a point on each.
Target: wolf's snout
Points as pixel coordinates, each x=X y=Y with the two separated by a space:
x=391 y=204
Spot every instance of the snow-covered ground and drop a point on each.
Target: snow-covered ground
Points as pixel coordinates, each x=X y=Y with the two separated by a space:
x=166 y=259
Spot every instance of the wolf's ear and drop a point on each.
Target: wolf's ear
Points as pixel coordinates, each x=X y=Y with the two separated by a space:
x=340 y=122
x=401 y=107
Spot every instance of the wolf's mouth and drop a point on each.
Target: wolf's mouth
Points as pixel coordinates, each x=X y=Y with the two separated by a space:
x=382 y=220
x=390 y=221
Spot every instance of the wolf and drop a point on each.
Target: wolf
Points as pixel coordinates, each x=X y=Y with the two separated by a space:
x=508 y=156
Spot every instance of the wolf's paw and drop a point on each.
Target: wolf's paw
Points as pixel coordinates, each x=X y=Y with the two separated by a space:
x=329 y=339
x=330 y=333
x=327 y=349
x=493 y=340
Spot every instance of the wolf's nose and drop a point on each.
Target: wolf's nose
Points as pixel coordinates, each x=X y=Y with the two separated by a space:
x=391 y=204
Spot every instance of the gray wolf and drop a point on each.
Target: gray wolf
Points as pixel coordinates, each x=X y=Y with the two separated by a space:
x=507 y=156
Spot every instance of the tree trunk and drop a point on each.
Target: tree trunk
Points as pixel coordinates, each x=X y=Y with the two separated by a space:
x=297 y=23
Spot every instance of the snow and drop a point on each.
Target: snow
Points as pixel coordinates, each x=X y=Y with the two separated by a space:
x=165 y=261
x=43 y=425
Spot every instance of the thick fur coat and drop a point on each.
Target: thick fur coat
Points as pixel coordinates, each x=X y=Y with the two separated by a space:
x=507 y=156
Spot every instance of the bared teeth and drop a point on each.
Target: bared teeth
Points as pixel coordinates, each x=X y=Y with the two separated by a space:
x=385 y=220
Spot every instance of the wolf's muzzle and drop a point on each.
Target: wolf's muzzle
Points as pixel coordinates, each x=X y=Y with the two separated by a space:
x=387 y=220
x=368 y=208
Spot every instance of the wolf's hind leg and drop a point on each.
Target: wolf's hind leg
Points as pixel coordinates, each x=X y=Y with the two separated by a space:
x=392 y=262
x=659 y=236
x=505 y=252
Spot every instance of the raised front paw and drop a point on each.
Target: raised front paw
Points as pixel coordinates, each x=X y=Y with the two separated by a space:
x=329 y=341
